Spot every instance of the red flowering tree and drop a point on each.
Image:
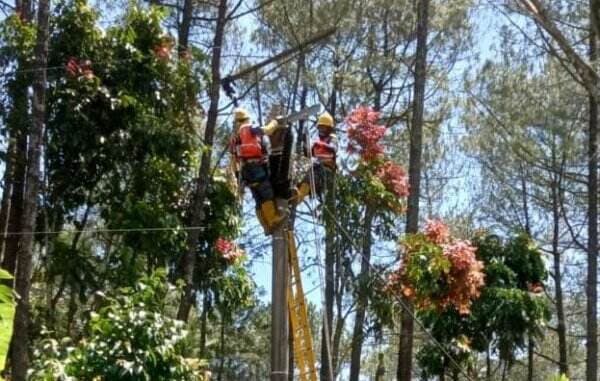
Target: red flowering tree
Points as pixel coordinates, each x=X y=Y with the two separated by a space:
x=229 y=251
x=384 y=181
x=438 y=271
x=365 y=133
x=394 y=178
x=510 y=309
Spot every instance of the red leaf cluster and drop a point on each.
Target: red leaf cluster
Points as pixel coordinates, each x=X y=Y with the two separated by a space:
x=228 y=250
x=79 y=68
x=224 y=246
x=465 y=278
x=365 y=132
x=458 y=284
x=163 y=50
x=535 y=288
x=394 y=177
x=437 y=231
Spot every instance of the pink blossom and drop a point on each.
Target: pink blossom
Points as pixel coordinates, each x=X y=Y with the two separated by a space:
x=79 y=68
x=233 y=255
x=163 y=50
x=461 y=254
x=228 y=250
x=394 y=177
x=437 y=231
x=463 y=280
x=72 y=67
x=365 y=133
x=224 y=246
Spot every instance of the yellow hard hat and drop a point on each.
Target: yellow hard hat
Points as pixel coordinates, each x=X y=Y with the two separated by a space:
x=325 y=120
x=240 y=114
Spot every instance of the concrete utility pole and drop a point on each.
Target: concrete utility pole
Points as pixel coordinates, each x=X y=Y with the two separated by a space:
x=279 y=307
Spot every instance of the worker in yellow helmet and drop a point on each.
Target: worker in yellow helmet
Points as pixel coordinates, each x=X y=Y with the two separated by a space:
x=324 y=153
x=250 y=148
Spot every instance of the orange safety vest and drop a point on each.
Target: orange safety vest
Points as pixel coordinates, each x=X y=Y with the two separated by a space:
x=321 y=151
x=249 y=145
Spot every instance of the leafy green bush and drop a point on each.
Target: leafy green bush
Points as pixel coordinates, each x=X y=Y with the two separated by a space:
x=129 y=339
x=7 y=313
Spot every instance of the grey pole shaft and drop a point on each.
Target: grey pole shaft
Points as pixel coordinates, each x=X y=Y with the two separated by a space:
x=279 y=308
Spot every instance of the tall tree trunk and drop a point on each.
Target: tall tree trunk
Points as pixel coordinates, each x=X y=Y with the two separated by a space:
x=592 y=273
x=558 y=294
x=405 y=351
x=20 y=360
x=530 y=340
x=25 y=9
x=222 y=351
x=185 y=26
x=18 y=124
x=363 y=300
x=204 y=324
x=202 y=182
x=14 y=171
x=488 y=364
x=330 y=256
x=6 y=195
x=19 y=161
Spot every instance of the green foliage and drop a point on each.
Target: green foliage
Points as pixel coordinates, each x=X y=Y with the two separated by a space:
x=437 y=361
x=122 y=134
x=371 y=190
x=7 y=313
x=17 y=39
x=130 y=338
x=504 y=315
x=511 y=311
x=425 y=269
x=234 y=291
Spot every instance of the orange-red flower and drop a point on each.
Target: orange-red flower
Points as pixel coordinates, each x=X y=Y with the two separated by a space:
x=535 y=288
x=454 y=263
x=228 y=250
x=394 y=177
x=72 y=67
x=79 y=68
x=437 y=231
x=163 y=49
x=365 y=133
x=223 y=246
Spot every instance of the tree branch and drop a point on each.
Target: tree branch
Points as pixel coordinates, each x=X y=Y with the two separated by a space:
x=536 y=10
x=4 y=4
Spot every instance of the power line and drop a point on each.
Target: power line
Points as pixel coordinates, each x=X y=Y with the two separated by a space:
x=63 y=67
x=107 y=230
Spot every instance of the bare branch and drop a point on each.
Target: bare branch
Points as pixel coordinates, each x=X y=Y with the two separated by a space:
x=232 y=16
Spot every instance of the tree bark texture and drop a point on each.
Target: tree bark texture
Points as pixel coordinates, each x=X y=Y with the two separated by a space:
x=20 y=343
x=405 y=352
x=202 y=181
